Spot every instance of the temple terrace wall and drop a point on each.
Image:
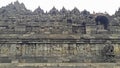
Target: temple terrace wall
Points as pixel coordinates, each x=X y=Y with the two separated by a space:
x=56 y=50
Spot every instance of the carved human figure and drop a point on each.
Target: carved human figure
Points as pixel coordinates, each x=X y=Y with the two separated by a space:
x=108 y=52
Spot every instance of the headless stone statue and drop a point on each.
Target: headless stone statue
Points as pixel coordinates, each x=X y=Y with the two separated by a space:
x=108 y=52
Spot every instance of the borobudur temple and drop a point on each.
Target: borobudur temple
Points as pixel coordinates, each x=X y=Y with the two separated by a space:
x=65 y=36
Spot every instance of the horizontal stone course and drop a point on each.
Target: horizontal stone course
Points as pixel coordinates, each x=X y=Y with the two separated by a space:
x=60 y=65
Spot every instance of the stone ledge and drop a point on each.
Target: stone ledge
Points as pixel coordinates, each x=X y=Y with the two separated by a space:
x=60 y=65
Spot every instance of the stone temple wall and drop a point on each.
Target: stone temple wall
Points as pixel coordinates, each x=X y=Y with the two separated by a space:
x=59 y=51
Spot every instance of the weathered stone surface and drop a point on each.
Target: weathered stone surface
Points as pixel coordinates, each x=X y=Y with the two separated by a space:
x=64 y=36
x=61 y=65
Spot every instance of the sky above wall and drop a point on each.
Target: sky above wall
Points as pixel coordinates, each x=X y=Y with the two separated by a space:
x=109 y=6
